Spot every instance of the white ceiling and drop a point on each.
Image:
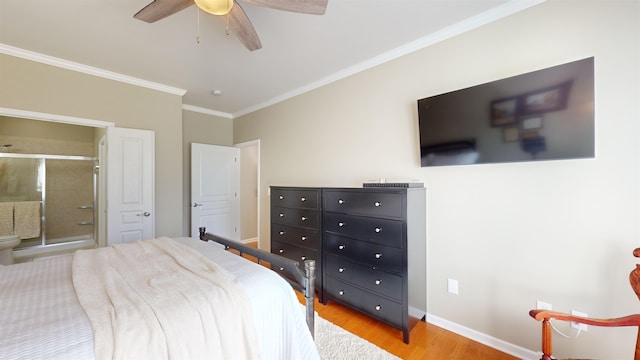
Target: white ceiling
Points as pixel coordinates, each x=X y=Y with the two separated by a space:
x=300 y=52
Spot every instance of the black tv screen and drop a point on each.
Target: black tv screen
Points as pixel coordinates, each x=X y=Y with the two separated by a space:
x=542 y=115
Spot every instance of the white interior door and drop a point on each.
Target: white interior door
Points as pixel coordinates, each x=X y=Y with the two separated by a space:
x=215 y=204
x=130 y=185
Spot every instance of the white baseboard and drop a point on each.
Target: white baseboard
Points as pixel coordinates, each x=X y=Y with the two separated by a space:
x=250 y=240
x=511 y=349
x=416 y=313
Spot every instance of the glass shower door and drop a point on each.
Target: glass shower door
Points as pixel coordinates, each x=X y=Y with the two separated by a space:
x=69 y=203
x=47 y=200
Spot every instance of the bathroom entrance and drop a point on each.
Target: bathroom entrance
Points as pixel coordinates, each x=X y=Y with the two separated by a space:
x=48 y=182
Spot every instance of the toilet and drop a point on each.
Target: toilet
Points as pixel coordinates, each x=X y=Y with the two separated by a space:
x=7 y=243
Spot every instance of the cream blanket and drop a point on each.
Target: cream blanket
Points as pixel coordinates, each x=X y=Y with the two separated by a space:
x=158 y=299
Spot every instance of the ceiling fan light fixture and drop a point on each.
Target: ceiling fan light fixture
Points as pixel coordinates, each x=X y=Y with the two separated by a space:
x=215 y=7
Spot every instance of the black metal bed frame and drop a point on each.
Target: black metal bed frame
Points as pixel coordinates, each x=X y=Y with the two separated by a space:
x=301 y=280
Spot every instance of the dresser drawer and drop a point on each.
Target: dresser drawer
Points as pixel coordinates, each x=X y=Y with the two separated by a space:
x=364 y=202
x=296 y=236
x=295 y=252
x=376 y=306
x=365 y=253
x=295 y=198
x=378 y=281
x=295 y=217
x=381 y=231
x=300 y=254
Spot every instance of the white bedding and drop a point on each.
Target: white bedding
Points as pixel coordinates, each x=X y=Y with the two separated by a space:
x=40 y=316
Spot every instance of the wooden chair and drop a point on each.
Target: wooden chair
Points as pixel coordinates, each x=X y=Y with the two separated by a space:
x=632 y=320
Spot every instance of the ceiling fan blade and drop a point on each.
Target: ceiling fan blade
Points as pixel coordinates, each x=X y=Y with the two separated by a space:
x=315 y=7
x=160 y=9
x=240 y=25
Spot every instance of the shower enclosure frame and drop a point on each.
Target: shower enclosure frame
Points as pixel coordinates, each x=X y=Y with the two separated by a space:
x=41 y=170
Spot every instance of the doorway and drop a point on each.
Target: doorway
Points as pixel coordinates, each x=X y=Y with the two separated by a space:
x=250 y=191
x=241 y=213
x=66 y=148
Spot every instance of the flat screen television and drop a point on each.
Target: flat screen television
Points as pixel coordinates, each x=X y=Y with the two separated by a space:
x=542 y=115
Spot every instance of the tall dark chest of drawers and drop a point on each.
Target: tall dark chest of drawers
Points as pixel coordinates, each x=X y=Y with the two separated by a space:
x=296 y=221
x=374 y=252
x=369 y=245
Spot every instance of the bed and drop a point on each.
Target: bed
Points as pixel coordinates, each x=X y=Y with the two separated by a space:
x=41 y=316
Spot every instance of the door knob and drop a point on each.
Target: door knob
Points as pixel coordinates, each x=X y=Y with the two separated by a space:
x=145 y=214
x=195 y=204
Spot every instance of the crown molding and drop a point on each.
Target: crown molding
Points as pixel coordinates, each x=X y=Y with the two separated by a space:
x=206 y=111
x=70 y=65
x=34 y=115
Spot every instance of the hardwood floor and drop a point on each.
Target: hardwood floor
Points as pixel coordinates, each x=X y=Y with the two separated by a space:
x=427 y=341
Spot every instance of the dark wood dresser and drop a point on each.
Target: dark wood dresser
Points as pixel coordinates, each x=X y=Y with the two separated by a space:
x=374 y=252
x=369 y=245
x=296 y=220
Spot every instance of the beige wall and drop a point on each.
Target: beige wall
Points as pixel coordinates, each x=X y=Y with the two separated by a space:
x=202 y=129
x=41 y=137
x=32 y=86
x=249 y=168
x=558 y=231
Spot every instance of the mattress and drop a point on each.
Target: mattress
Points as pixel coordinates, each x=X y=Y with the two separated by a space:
x=40 y=317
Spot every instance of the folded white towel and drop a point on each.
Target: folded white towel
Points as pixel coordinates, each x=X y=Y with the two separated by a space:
x=26 y=216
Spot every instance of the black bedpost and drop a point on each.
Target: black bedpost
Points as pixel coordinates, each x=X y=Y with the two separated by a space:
x=309 y=293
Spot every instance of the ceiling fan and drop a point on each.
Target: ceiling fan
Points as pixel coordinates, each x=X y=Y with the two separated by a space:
x=237 y=19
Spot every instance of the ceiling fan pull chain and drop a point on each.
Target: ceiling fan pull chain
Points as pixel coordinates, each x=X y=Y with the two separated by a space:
x=198 y=25
x=229 y=6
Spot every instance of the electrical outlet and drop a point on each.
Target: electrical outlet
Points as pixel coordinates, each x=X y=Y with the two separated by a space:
x=579 y=326
x=543 y=305
x=452 y=286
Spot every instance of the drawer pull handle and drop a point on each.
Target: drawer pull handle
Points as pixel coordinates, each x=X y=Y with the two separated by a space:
x=281 y=251
x=304 y=218
x=341 y=247
x=303 y=238
x=378 y=282
x=341 y=292
x=281 y=215
x=378 y=307
x=341 y=224
x=378 y=229
x=281 y=197
x=281 y=232
x=340 y=201
x=303 y=199
x=341 y=270
x=377 y=203
x=303 y=258
x=378 y=255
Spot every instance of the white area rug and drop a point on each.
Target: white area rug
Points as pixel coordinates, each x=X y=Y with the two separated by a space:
x=334 y=342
